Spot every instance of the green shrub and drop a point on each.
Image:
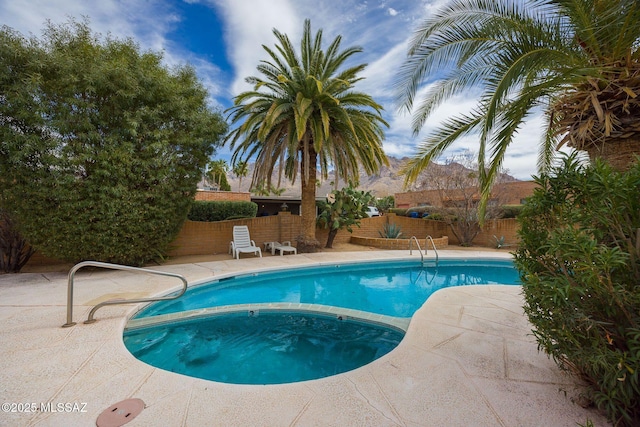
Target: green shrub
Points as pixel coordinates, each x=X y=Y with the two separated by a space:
x=579 y=261
x=511 y=211
x=390 y=231
x=102 y=145
x=398 y=211
x=344 y=209
x=385 y=204
x=436 y=217
x=219 y=211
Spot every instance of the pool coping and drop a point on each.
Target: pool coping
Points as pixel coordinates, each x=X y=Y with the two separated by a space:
x=468 y=358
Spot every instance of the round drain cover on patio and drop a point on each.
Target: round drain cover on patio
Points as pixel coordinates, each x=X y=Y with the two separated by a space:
x=120 y=413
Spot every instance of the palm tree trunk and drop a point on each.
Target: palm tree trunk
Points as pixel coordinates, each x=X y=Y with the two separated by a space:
x=307 y=241
x=619 y=153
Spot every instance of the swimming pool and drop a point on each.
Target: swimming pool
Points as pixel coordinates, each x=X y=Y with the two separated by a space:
x=272 y=347
x=392 y=288
x=197 y=335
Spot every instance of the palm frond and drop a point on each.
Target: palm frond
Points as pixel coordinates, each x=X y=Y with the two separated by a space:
x=303 y=107
x=522 y=56
x=434 y=145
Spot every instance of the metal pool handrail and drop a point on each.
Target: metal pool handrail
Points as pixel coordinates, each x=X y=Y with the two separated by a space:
x=434 y=248
x=90 y=319
x=419 y=249
x=425 y=249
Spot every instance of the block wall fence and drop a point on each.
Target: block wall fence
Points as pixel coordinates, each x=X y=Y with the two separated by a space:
x=205 y=238
x=202 y=238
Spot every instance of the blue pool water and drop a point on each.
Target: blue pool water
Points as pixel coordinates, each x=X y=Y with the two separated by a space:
x=389 y=288
x=273 y=347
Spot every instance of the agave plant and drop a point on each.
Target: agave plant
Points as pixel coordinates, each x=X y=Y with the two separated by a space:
x=390 y=231
x=500 y=241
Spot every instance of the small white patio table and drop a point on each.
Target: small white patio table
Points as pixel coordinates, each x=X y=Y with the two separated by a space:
x=282 y=247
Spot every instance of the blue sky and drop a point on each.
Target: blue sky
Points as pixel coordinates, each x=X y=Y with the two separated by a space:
x=223 y=40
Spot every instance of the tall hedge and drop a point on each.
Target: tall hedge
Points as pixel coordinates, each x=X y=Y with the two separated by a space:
x=219 y=210
x=102 y=145
x=579 y=261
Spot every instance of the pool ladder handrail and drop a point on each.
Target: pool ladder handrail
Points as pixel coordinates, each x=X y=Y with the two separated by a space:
x=425 y=249
x=414 y=238
x=90 y=319
x=434 y=247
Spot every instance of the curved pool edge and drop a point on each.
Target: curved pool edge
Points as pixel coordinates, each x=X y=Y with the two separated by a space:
x=426 y=380
x=401 y=324
x=308 y=261
x=343 y=262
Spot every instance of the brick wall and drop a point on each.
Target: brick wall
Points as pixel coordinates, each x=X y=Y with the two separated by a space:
x=202 y=238
x=224 y=196
x=416 y=226
x=498 y=227
x=424 y=227
x=368 y=227
x=512 y=193
x=198 y=238
x=417 y=198
x=408 y=226
x=400 y=244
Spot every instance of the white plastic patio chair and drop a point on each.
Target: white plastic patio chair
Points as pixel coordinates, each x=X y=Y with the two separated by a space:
x=242 y=243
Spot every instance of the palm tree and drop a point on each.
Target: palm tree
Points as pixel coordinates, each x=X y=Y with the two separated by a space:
x=304 y=115
x=578 y=61
x=218 y=174
x=241 y=169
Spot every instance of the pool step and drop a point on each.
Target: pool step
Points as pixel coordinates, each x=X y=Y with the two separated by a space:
x=401 y=323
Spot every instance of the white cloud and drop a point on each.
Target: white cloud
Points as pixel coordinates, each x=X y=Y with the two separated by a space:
x=397 y=148
x=146 y=22
x=208 y=74
x=380 y=29
x=520 y=158
x=430 y=7
x=381 y=74
x=247 y=28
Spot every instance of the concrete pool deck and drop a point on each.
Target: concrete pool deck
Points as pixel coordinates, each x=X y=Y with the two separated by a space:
x=468 y=359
